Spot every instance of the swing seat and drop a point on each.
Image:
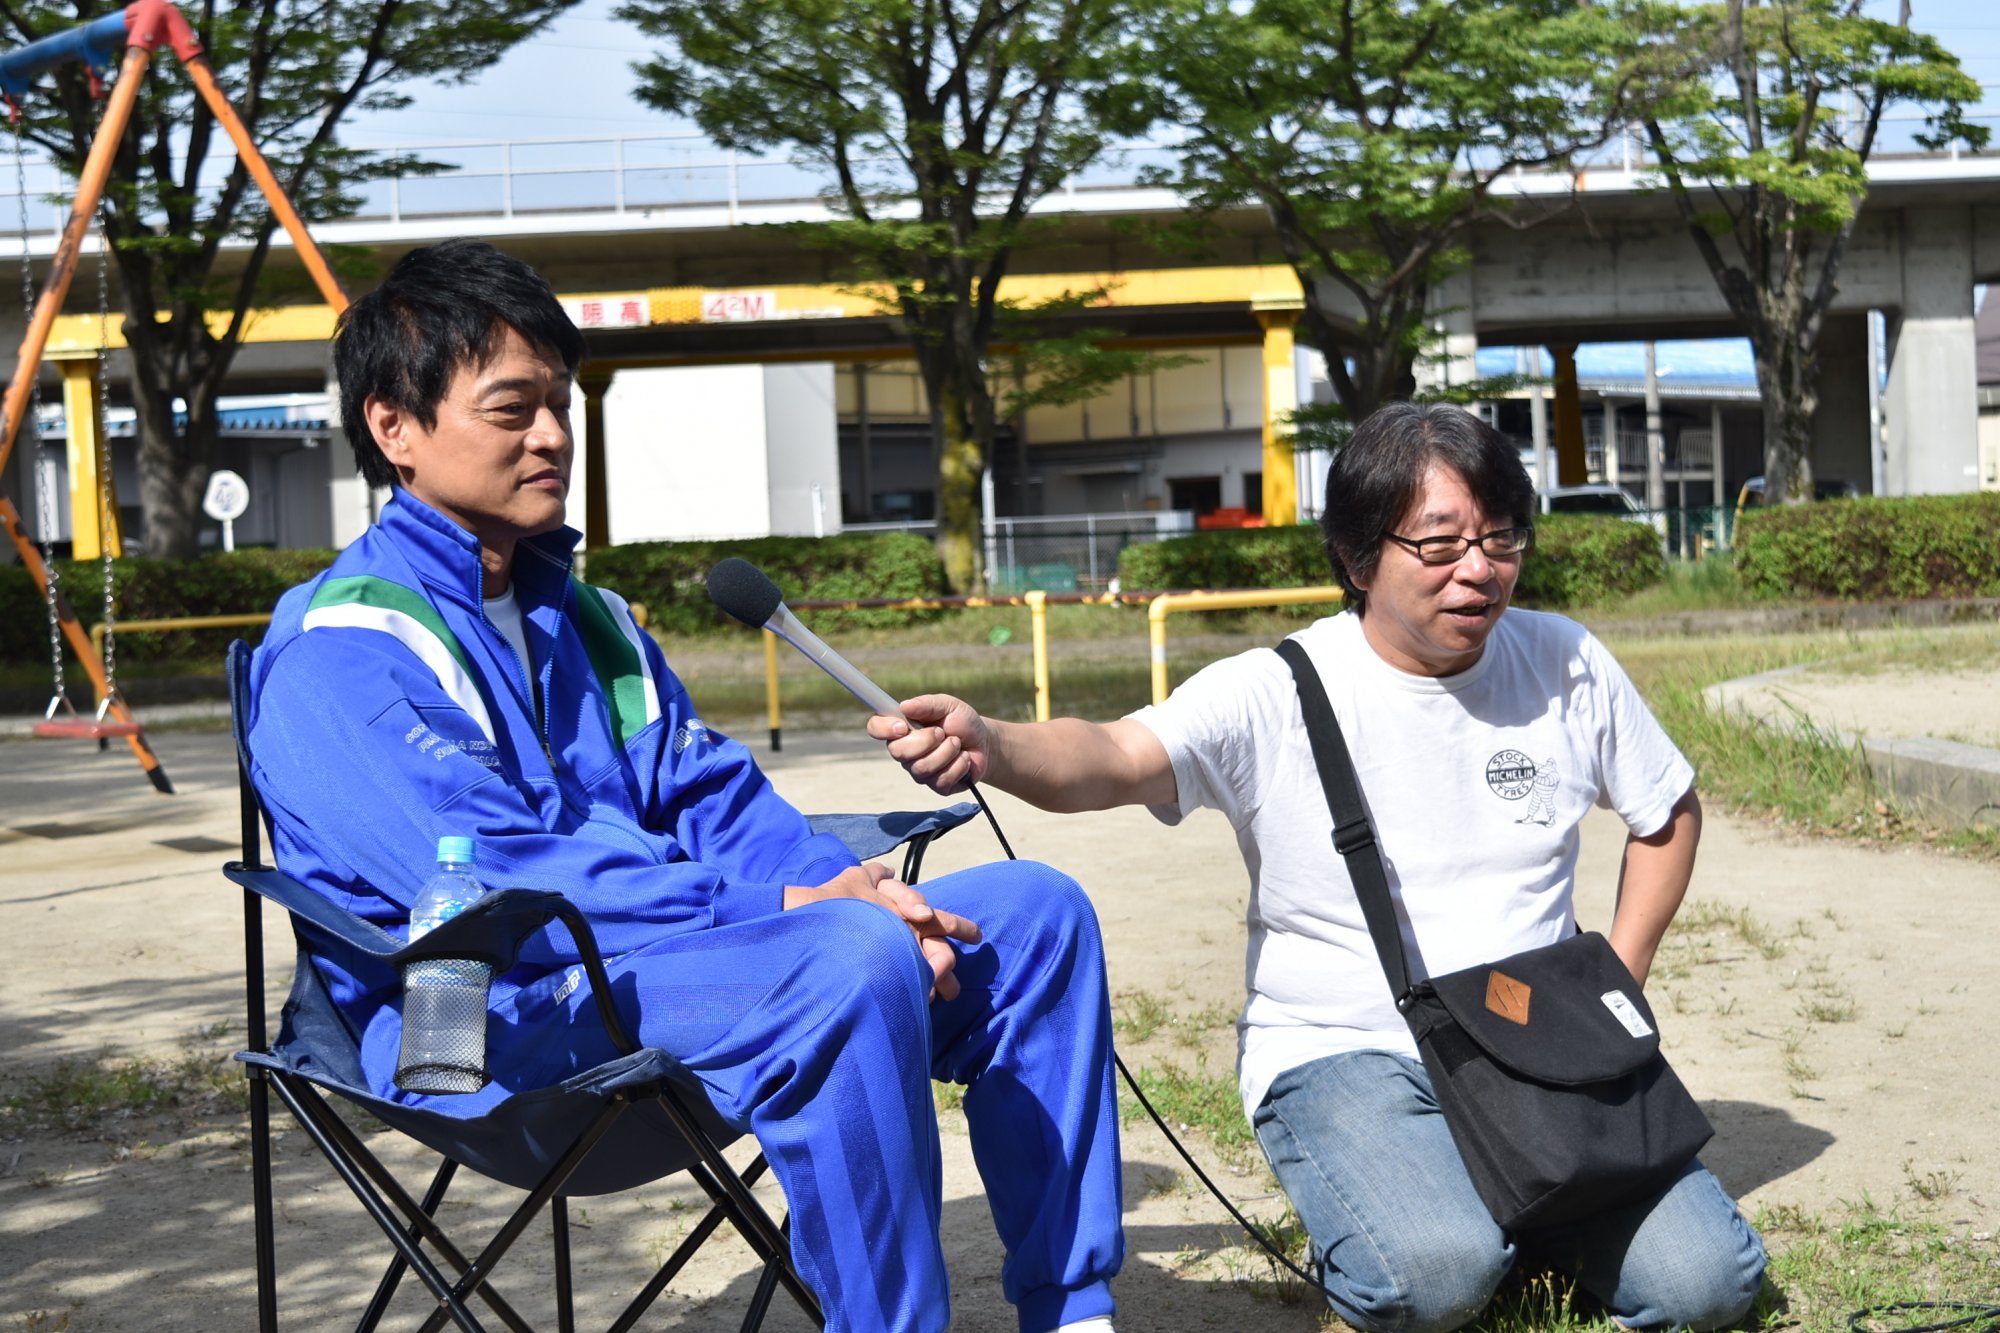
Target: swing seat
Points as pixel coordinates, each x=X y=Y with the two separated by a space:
x=85 y=729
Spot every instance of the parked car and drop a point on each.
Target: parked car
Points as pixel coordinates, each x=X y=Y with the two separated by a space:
x=1595 y=498
x=1824 y=488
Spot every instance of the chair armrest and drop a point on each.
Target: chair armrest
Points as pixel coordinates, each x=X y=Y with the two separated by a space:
x=877 y=835
x=491 y=930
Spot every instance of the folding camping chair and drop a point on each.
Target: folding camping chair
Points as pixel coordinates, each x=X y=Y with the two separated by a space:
x=634 y=1120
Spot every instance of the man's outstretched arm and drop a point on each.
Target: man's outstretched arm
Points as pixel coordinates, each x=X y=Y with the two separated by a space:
x=1067 y=765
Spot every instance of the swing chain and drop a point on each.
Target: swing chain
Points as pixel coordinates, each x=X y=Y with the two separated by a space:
x=107 y=516
x=45 y=478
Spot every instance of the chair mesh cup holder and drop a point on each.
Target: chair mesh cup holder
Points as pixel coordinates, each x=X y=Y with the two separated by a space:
x=444 y=1026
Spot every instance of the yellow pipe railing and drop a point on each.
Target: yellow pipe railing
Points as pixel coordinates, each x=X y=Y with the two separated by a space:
x=1166 y=604
x=178 y=622
x=1038 y=619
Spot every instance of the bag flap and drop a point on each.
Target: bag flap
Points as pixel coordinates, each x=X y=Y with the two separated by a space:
x=1567 y=1013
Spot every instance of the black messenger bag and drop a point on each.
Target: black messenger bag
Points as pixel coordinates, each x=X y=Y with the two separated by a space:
x=1547 y=1065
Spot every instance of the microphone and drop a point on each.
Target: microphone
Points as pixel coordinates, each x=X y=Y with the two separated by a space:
x=747 y=593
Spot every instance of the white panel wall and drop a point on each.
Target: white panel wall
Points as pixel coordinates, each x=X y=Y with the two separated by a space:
x=685 y=453
x=1226 y=456
x=803 y=446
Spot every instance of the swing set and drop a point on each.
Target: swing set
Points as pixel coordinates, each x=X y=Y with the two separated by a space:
x=139 y=30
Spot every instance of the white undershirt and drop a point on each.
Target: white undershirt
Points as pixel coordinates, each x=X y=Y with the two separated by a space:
x=505 y=613
x=1476 y=784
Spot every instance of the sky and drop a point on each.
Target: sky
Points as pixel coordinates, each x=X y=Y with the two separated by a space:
x=575 y=78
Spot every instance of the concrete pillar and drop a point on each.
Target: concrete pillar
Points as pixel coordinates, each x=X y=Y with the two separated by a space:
x=1656 y=442
x=1281 y=398
x=1538 y=415
x=590 y=474
x=1932 y=409
x=1453 y=360
x=1572 y=468
x=1611 y=441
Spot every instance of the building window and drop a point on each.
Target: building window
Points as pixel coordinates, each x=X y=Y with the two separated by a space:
x=1201 y=494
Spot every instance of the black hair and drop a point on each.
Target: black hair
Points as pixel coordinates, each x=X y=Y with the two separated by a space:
x=1377 y=475
x=443 y=307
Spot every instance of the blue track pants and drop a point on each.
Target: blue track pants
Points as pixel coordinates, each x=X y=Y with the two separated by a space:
x=813 y=1029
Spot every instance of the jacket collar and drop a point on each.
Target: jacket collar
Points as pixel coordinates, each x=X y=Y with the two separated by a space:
x=445 y=557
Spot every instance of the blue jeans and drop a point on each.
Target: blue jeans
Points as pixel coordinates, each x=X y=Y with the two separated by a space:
x=1404 y=1244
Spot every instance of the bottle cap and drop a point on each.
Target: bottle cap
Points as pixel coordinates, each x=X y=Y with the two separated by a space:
x=454 y=849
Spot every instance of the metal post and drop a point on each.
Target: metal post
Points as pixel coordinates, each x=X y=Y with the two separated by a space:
x=1038 y=620
x=1538 y=417
x=1722 y=514
x=506 y=180
x=771 y=691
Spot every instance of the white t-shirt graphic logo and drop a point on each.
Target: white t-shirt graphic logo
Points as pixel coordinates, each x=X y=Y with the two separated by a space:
x=1542 y=804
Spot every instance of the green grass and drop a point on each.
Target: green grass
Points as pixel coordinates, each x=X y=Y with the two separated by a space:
x=85 y=1095
x=1798 y=775
x=1710 y=584
x=1825 y=1268
x=1197 y=1101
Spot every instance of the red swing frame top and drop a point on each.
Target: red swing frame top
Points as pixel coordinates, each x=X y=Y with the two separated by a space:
x=148 y=25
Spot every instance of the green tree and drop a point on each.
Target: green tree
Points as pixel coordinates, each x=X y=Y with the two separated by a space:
x=1765 y=151
x=1373 y=134
x=190 y=233
x=940 y=125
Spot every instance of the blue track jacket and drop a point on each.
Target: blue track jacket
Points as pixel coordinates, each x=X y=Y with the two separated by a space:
x=387 y=711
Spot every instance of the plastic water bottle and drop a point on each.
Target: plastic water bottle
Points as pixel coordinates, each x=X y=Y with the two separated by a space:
x=444 y=999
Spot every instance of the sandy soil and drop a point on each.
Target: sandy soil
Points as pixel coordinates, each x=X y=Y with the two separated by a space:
x=1827 y=1015
x=1963 y=706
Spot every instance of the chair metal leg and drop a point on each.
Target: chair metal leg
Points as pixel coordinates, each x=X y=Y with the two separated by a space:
x=913 y=857
x=449 y=1303
x=260 y=1197
x=755 y=1226
x=475 y=1277
x=565 y=1297
x=716 y=1215
x=422 y=1225
x=767 y=1286
x=385 y=1290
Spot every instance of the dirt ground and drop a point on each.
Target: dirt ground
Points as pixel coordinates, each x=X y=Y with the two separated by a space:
x=1962 y=707
x=1824 y=1001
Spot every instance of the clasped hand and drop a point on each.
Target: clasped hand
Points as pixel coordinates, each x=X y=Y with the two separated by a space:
x=873 y=883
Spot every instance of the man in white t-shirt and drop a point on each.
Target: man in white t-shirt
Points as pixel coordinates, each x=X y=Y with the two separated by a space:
x=1481 y=738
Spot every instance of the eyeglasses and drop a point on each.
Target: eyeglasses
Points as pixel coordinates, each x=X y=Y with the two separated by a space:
x=1450 y=550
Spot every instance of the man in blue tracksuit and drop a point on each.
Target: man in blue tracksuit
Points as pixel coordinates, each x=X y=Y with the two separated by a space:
x=448 y=675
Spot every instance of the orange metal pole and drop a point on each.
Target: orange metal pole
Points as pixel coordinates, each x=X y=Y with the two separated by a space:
x=267 y=181
x=89 y=189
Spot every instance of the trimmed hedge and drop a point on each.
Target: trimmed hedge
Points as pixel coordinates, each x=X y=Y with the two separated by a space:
x=1582 y=560
x=671 y=577
x=1577 y=560
x=238 y=583
x=1287 y=557
x=1874 y=549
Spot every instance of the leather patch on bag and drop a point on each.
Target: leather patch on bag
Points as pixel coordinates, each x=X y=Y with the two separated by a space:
x=1508 y=997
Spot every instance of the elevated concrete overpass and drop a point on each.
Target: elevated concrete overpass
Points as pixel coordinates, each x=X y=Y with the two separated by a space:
x=702 y=278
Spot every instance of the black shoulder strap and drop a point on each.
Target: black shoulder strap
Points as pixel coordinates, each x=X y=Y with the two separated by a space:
x=1353 y=835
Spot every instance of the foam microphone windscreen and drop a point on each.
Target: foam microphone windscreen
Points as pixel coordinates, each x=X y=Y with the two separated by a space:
x=744 y=591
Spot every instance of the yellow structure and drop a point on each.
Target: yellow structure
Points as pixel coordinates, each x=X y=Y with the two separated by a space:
x=1278 y=315
x=1270 y=292
x=93 y=495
